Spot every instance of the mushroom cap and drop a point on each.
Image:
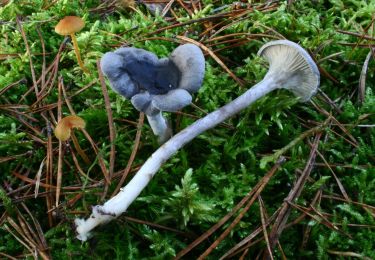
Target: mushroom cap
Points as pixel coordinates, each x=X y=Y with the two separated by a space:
x=173 y=101
x=142 y=102
x=190 y=62
x=153 y=84
x=64 y=126
x=69 y=25
x=139 y=70
x=148 y=72
x=112 y=66
x=292 y=68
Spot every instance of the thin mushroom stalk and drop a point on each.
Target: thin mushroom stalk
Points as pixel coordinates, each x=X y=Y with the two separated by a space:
x=160 y=127
x=290 y=67
x=78 y=54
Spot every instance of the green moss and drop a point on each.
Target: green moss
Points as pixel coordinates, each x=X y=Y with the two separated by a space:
x=224 y=162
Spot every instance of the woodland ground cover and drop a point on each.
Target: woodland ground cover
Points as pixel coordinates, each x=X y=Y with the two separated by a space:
x=332 y=215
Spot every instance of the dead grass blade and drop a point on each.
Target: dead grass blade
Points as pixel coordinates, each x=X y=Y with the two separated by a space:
x=35 y=86
x=348 y=254
x=319 y=217
x=282 y=217
x=13 y=157
x=132 y=155
x=7 y=228
x=60 y=154
x=32 y=239
x=203 y=19
x=38 y=228
x=263 y=219
x=255 y=191
x=38 y=176
x=353 y=202
x=352 y=140
x=213 y=55
x=5 y=89
x=76 y=163
x=8 y=256
x=167 y=8
x=341 y=187
x=359 y=35
x=49 y=171
x=49 y=83
x=154 y=225
x=100 y=161
x=362 y=79
x=247 y=241
x=112 y=133
x=43 y=75
x=236 y=16
x=255 y=195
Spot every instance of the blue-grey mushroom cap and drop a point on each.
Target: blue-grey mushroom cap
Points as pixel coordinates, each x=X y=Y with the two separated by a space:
x=173 y=101
x=140 y=65
x=112 y=66
x=154 y=84
x=292 y=67
x=143 y=103
x=189 y=59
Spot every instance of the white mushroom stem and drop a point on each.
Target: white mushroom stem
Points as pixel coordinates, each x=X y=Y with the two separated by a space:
x=119 y=204
x=160 y=127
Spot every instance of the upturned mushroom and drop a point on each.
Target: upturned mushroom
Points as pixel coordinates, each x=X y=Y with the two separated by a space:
x=155 y=85
x=290 y=68
x=69 y=25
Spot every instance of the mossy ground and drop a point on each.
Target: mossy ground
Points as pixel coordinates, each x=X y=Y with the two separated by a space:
x=332 y=218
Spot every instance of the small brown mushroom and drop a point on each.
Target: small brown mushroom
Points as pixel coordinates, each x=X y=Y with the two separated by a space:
x=69 y=25
x=64 y=126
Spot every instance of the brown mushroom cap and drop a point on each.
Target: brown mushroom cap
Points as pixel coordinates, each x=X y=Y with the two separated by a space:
x=69 y=25
x=64 y=126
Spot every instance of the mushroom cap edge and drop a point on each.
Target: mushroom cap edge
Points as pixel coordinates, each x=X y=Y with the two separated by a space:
x=189 y=59
x=69 y=24
x=306 y=91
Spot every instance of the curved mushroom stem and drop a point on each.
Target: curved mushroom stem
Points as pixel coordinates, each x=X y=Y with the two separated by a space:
x=78 y=55
x=119 y=204
x=160 y=127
